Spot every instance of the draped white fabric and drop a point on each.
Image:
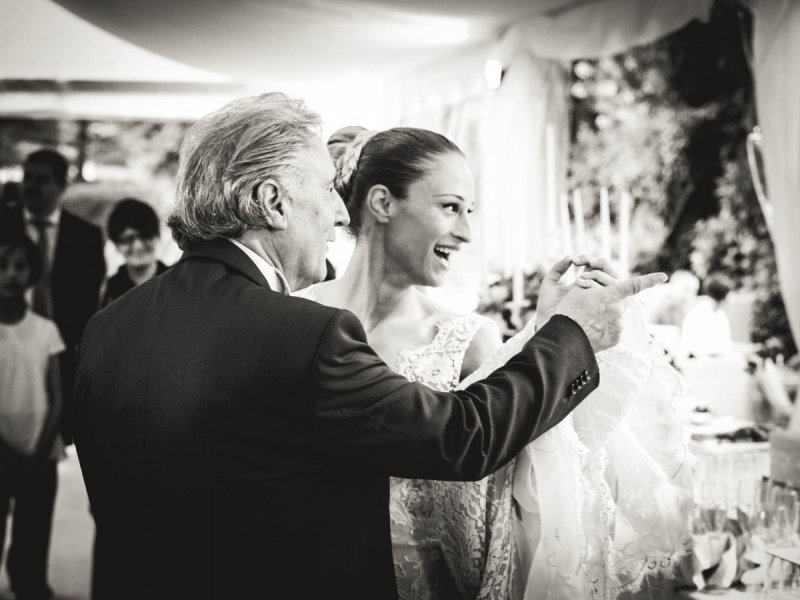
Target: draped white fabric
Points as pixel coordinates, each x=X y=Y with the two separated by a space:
x=606 y=494
x=603 y=28
x=776 y=50
x=503 y=134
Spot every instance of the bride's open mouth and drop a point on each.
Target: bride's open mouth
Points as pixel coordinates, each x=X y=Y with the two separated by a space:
x=443 y=253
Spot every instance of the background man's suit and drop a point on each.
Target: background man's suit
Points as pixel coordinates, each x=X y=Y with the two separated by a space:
x=242 y=449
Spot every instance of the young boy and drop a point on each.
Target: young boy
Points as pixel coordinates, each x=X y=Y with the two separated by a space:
x=29 y=417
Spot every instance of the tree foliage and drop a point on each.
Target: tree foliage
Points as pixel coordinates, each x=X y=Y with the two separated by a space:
x=668 y=122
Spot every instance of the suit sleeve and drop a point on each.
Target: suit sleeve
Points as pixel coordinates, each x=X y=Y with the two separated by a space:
x=365 y=412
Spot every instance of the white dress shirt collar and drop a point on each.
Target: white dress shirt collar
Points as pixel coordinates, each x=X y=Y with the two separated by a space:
x=32 y=230
x=53 y=218
x=274 y=277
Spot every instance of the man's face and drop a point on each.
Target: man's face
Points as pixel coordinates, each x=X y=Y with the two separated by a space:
x=40 y=190
x=315 y=211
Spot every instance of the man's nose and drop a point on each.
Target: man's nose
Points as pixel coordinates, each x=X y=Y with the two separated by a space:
x=342 y=216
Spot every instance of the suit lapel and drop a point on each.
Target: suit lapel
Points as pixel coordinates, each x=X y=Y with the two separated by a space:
x=225 y=252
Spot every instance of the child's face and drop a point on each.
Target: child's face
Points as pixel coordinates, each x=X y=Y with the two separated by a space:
x=14 y=272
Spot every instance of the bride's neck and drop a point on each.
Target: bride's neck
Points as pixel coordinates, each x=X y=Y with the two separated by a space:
x=373 y=290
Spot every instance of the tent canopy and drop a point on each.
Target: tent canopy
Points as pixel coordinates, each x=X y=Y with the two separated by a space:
x=107 y=57
x=306 y=40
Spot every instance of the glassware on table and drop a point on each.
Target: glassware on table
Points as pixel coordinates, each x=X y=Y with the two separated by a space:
x=786 y=517
x=713 y=502
x=748 y=494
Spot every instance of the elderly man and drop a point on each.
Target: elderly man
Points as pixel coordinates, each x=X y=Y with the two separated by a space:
x=236 y=441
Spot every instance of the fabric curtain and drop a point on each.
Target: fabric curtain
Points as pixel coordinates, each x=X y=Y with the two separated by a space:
x=503 y=134
x=603 y=27
x=776 y=49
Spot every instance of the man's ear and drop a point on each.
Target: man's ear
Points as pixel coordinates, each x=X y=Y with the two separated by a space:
x=380 y=203
x=273 y=200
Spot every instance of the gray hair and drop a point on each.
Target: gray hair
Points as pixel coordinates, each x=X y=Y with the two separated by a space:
x=227 y=154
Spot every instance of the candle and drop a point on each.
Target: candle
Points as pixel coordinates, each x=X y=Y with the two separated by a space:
x=550 y=177
x=564 y=225
x=517 y=287
x=580 y=227
x=624 y=223
x=605 y=224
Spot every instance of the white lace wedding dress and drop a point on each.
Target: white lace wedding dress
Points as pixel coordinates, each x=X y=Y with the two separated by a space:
x=450 y=540
x=595 y=504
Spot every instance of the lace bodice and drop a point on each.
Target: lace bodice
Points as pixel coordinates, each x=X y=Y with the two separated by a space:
x=450 y=539
x=608 y=490
x=438 y=364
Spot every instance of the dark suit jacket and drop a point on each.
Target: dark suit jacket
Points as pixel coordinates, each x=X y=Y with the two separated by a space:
x=77 y=273
x=237 y=443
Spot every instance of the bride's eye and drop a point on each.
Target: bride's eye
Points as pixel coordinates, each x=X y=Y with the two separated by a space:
x=451 y=207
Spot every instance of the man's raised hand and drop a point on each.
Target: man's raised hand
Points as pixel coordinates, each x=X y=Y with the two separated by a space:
x=598 y=310
x=554 y=288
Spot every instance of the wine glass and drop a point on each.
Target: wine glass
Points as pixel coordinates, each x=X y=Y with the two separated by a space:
x=714 y=505
x=786 y=516
x=747 y=493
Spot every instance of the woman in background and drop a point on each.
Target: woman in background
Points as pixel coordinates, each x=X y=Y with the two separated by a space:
x=134 y=228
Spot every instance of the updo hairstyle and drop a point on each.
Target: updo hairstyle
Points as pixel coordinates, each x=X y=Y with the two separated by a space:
x=395 y=158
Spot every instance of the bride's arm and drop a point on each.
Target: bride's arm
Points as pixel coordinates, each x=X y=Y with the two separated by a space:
x=484 y=343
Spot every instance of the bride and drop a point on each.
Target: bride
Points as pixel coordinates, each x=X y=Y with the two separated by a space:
x=572 y=517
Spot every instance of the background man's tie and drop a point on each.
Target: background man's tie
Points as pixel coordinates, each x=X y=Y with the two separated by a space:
x=42 y=294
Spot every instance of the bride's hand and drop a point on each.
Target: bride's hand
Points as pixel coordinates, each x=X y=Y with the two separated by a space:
x=595 y=278
x=554 y=288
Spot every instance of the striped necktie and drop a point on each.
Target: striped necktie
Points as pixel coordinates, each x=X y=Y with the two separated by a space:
x=43 y=293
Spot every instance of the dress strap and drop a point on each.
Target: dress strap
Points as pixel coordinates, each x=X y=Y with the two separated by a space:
x=438 y=363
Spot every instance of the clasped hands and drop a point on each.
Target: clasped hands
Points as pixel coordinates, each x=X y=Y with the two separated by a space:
x=593 y=300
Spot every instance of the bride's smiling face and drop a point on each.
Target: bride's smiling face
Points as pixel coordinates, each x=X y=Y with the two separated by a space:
x=431 y=224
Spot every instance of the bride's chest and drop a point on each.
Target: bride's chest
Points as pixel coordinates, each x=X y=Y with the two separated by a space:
x=431 y=353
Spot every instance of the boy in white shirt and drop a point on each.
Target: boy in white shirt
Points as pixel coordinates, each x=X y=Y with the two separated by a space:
x=29 y=416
